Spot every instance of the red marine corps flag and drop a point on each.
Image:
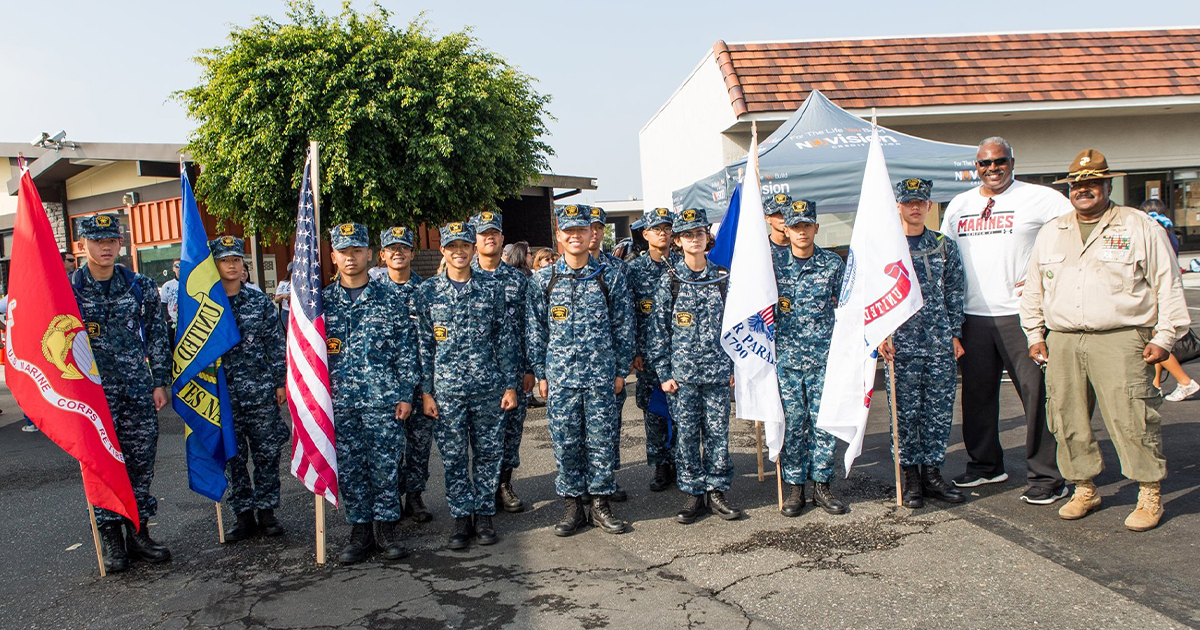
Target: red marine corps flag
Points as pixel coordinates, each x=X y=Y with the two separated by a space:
x=51 y=371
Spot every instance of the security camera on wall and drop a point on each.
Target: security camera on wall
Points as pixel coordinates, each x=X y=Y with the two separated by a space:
x=37 y=142
x=130 y=199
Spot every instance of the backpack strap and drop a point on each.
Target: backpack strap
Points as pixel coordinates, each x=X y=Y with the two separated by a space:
x=554 y=277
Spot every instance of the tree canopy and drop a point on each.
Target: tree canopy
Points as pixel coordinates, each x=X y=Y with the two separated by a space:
x=413 y=127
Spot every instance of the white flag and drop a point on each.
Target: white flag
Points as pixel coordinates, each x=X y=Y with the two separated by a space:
x=748 y=324
x=879 y=293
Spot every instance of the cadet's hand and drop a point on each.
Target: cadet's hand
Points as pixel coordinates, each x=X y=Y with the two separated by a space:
x=280 y=396
x=527 y=383
x=1038 y=353
x=731 y=380
x=887 y=351
x=544 y=390
x=509 y=400
x=958 y=349
x=637 y=363
x=404 y=410
x=618 y=384
x=670 y=386
x=160 y=398
x=1154 y=353
x=430 y=405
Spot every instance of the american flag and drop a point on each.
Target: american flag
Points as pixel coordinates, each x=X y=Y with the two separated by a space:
x=310 y=400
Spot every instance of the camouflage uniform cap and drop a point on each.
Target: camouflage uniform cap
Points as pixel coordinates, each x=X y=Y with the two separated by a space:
x=800 y=211
x=225 y=246
x=913 y=188
x=100 y=226
x=596 y=214
x=396 y=236
x=349 y=235
x=572 y=216
x=776 y=204
x=653 y=217
x=457 y=231
x=488 y=220
x=690 y=218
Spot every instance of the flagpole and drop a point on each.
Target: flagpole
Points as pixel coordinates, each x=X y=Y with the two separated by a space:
x=758 y=437
x=779 y=481
x=314 y=149
x=220 y=525
x=95 y=528
x=895 y=428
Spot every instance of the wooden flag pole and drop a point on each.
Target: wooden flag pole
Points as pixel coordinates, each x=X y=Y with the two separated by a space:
x=95 y=529
x=320 y=529
x=895 y=429
x=758 y=437
x=220 y=525
x=779 y=481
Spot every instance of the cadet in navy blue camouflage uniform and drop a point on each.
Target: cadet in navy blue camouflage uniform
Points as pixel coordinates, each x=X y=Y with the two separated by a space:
x=255 y=371
x=396 y=254
x=580 y=336
x=923 y=352
x=368 y=330
x=470 y=362
x=489 y=244
x=809 y=280
x=598 y=218
x=128 y=336
x=781 y=246
x=683 y=345
x=645 y=272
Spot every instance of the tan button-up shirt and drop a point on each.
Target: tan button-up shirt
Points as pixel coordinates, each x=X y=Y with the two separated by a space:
x=1124 y=276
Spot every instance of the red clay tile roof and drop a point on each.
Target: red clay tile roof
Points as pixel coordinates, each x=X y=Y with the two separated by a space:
x=962 y=69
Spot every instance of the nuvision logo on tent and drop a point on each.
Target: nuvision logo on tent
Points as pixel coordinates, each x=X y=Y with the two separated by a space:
x=837 y=138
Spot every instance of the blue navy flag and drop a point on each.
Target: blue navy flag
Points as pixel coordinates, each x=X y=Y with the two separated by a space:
x=722 y=251
x=206 y=331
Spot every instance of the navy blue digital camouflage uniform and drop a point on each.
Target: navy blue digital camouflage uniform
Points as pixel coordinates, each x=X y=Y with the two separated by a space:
x=367 y=340
x=926 y=370
x=775 y=205
x=133 y=354
x=804 y=318
x=684 y=344
x=515 y=284
x=580 y=340
x=597 y=214
x=469 y=357
x=644 y=276
x=418 y=429
x=254 y=369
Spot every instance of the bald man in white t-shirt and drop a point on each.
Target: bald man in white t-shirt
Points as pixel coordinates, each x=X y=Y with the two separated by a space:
x=995 y=226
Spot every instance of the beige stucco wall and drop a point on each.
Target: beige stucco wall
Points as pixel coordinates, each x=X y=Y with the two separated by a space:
x=115 y=177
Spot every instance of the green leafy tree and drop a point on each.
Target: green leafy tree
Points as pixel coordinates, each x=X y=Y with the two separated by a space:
x=413 y=127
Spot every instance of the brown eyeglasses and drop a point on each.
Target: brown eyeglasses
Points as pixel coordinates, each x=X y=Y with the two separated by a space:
x=987 y=210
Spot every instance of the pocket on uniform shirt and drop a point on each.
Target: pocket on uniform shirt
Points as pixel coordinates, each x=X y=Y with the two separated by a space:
x=1119 y=271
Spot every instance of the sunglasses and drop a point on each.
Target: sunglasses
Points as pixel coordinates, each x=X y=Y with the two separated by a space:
x=1000 y=161
x=987 y=210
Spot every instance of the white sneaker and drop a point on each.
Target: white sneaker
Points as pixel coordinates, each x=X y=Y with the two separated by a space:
x=29 y=428
x=1183 y=392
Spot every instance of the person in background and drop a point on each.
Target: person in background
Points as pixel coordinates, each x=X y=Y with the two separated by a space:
x=247 y=273
x=543 y=257
x=516 y=255
x=283 y=296
x=169 y=292
x=1185 y=387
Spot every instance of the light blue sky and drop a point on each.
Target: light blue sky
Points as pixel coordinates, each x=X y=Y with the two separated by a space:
x=103 y=70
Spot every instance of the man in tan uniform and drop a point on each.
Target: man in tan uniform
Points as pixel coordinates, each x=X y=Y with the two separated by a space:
x=1102 y=304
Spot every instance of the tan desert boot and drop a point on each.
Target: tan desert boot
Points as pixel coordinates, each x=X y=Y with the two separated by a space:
x=1149 y=508
x=1085 y=500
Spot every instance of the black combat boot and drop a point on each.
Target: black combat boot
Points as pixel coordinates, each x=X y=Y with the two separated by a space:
x=389 y=540
x=910 y=482
x=603 y=517
x=573 y=518
x=823 y=497
x=244 y=527
x=935 y=487
x=140 y=546
x=662 y=478
x=463 y=531
x=414 y=506
x=484 y=532
x=268 y=524
x=720 y=506
x=506 y=497
x=618 y=496
x=693 y=507
x=115 y=560
x=362 y=541
x=794 y=502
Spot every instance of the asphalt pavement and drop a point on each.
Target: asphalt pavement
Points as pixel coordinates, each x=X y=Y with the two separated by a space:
x=993 y=562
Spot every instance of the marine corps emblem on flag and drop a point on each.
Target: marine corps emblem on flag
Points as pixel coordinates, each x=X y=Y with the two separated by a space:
x=440 y=333
x=333 y=345
x=684 y=319
x=71 y=353
x=346 y=229
x=558 y=313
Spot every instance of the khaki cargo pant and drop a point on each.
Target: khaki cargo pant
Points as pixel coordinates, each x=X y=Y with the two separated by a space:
x=1105 y=368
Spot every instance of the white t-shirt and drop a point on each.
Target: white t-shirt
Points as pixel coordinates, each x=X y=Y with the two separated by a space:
x=995 y=251
x=169 y=294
